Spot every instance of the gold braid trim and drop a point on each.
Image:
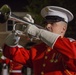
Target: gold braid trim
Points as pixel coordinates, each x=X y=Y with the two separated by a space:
x=67 y=72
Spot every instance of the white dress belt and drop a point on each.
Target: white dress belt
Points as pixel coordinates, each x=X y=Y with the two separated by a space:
x=15 y=71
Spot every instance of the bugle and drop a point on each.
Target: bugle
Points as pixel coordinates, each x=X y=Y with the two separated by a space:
x=21 y=20
x=5 y=14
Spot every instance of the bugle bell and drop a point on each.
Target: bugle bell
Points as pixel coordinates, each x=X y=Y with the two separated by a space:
x=4 y=13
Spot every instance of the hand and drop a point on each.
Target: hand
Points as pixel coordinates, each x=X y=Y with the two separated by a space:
x=31 y=29
x=28 y=18
x=13 y=38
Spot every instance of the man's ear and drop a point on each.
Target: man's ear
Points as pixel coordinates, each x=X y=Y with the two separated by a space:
x=64 y=28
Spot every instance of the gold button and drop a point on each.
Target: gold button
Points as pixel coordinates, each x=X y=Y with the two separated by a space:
x=44 y=65
x=48 y=50
x=42 y=73
x=45 y=57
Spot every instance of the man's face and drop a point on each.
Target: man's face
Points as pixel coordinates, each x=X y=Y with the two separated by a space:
x=56 y=27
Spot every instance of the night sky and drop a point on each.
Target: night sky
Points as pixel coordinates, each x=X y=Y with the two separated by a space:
x=16 y=5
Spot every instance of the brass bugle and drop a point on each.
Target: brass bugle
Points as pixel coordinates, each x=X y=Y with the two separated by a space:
x=19 y=19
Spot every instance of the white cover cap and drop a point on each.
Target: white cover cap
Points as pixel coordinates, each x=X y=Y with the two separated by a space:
x=57 y=11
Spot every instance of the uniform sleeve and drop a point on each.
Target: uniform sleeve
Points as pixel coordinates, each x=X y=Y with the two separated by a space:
x=17 y=54
x=67 y=49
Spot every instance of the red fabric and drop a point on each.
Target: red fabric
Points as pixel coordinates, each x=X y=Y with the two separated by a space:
x=68 y=51
x=62 y=53
x=1 y=60
x=16 y=74
x=64 y=46
x=12 y=66
x=15 y=66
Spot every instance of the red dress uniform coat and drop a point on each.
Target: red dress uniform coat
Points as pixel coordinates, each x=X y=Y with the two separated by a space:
x=61 y=60
x=14 y=67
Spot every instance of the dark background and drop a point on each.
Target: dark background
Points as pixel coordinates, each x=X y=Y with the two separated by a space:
x=35 y=6
x=16 y=5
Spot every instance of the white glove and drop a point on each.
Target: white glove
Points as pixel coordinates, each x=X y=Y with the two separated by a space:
x=13 y=38
x=48 y=37
x=28 y=18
